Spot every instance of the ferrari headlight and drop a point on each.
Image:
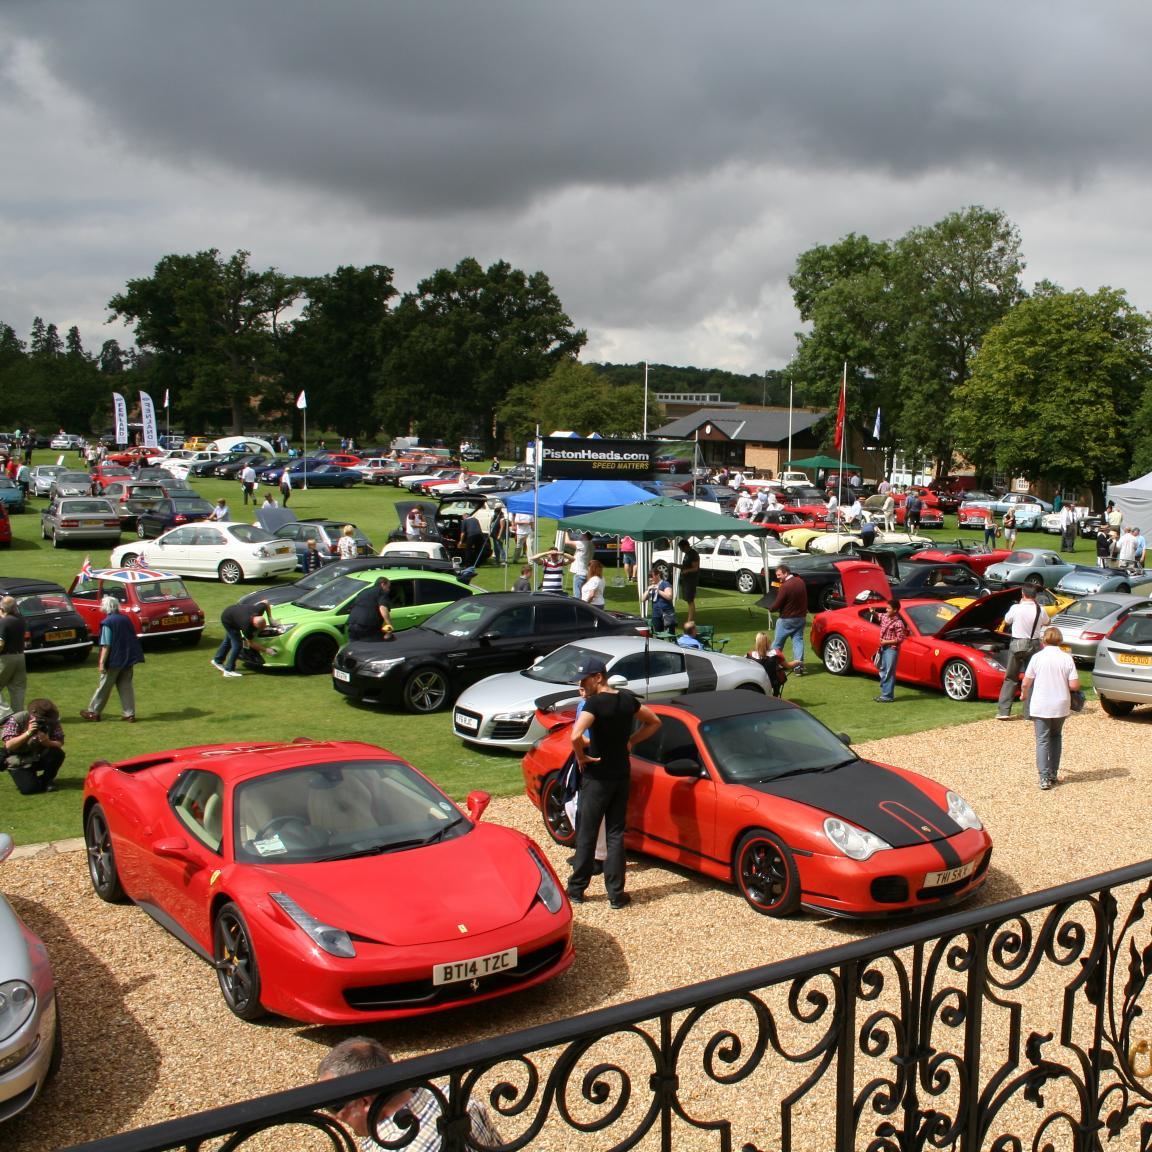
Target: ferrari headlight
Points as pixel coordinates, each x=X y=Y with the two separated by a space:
x=549 y=890
x=17 y=1003
x=962 y=812
x=521 y=717
x=852 y=841
x=993 y=663
x=378 y=667
x=334 y=941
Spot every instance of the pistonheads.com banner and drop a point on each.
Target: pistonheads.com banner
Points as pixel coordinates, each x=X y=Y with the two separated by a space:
x=564 y=458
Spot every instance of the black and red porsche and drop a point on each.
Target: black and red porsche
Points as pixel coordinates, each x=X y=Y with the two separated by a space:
x=754 y=791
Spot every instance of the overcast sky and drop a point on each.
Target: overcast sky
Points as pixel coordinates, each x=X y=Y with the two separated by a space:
x=663 y=161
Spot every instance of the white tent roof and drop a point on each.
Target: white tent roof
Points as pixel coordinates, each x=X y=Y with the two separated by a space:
x=1134 y=499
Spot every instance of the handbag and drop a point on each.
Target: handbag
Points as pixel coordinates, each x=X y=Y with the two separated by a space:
x=1077 y=700
x=876 y=658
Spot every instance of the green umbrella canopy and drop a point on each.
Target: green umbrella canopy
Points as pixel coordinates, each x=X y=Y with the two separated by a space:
x=660 y=519
x=825 y=462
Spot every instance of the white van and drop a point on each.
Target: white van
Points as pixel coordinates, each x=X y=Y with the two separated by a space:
x=241 y=444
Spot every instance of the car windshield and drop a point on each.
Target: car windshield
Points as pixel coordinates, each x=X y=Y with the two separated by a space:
x=86 y=508
x=459 y=619
x=332 y=594
x=1019 y=558
x=756 y=747
x=250 y=534
x=74 y=478
x=48 y=603
x=156 y=591
x=339 y=811
x=562 y=665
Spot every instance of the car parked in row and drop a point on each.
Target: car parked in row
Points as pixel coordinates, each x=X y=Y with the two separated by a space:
x=41 y=477
x=326 y=533
x=11 y=495
x=70 y=483
x=1122 y=670
x=175 y=509
x=80 y=520
x=52 y=626
x=222 y=550
x=156 y=604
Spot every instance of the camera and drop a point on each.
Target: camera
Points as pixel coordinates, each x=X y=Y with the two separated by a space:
x=38 y=725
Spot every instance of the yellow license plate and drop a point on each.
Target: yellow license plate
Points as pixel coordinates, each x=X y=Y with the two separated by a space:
x=169 y=621
x=1132 y=658
x=950 y=876
x=64 y=634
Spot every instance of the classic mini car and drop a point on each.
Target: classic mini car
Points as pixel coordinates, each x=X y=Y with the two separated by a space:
x=1084 y=581
x=223 y=550
x=1122 y=671
x=329 y=882
x=307 y=634
x=425 y=668
x=753 y=791
x=728 y=561
x=1038 y=566
x=1084 y=623
x=501 y=711
x=52 y=626
x=29 y=1018
x=957 y=650
x=156 y=603
x=80 y=520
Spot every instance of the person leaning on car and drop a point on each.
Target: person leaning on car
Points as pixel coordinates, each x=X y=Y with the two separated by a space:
x=241 y=624
x=371 y=612
x=34 y=747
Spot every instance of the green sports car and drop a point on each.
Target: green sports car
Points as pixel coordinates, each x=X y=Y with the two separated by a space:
x=307 y=634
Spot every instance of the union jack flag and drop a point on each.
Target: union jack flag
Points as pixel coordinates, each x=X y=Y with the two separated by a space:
x=86 y=568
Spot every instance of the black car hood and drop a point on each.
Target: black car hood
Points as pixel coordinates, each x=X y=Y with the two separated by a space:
x=873 y=798
x=410 y=643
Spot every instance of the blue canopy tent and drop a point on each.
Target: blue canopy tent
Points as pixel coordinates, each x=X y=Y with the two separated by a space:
x=563 y=498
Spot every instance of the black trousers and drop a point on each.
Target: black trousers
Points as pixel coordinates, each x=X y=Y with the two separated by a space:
x=607 y=800
x=33 y=776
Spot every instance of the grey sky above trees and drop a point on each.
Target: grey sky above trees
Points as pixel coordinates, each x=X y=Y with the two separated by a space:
x=663 y=162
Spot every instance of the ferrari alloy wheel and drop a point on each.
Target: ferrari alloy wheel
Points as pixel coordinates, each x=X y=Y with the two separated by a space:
x=129 y=560
x=746 y=581
x=1035 y=579
x=230 y=572
x=426 y=690
x=959 y=681
x=101 y=859
x=837 y=658
x=766 y=874
x=555 y=817
x=1115 y=707
x=236 y=966
x=315 y=655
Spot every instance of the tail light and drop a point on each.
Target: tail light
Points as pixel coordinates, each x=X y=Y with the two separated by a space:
x=332 y=549
x=111 y=523
x=181 y=518
x=76 y=523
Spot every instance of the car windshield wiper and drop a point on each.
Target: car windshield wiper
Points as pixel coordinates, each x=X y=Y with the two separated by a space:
x=440 y=833
x=377 y=850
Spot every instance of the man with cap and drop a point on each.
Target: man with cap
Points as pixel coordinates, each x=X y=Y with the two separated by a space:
x=608 y=718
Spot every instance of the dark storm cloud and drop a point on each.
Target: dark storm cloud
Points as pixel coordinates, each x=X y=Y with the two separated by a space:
x=436 y=107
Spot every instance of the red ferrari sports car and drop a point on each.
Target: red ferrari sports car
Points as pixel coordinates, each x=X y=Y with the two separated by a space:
x=958 y=650
x=753 y=791
x=329 y=882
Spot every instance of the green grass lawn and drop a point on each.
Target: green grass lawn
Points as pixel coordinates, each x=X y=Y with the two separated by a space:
x=182 y=701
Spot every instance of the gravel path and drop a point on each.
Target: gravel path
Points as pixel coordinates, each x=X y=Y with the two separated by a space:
x=147 y=1036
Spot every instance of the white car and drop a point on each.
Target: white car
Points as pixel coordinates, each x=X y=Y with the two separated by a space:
x=831 y=542
x=65 y=442
x=179 y=463
x=29 y=1020
x=222 y=550
x=729 y=561
x=500 y=712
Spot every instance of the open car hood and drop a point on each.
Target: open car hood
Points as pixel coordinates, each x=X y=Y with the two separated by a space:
x=987 y=612
x=860 y=577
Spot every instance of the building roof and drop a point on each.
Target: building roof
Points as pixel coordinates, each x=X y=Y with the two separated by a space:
x=756 y=425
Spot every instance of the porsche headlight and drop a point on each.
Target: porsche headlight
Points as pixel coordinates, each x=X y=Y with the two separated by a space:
x=549 y=890
x=334 y=941
x=378 y=667
x=17 y=1003
x=852 y=841
x=963 y=812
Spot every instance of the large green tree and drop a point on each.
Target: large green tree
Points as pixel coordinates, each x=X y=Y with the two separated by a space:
x=1053 y=388
x=213 y=325
x=462 y=341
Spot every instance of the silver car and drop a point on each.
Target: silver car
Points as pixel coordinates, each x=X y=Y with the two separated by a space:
x=70 y=484
x=42 y=477
x=1122 y=674
x=500 y=712
x=29 y=1022
x=80 y=519
x=1086 y=622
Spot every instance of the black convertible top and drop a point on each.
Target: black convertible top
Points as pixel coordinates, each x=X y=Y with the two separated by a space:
x=731 y=702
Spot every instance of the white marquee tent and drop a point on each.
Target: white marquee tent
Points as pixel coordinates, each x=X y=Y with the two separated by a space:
x=1134 y=499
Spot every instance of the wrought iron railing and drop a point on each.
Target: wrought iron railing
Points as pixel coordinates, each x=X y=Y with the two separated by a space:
x=1014 y=1026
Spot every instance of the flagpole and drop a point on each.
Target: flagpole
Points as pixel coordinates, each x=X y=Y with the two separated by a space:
x=843 y=431
x=645 y=399
x=304 y=410
x=789 y=464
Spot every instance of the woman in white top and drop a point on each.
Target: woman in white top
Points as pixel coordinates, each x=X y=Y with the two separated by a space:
x=592 y=591
x=346 y=545
x=1049 y=682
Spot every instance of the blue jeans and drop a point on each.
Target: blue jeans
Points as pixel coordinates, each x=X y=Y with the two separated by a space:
x=790 y=626
x=1049 y=745
x=229 y=649
x=888 y=671
x=578 y=579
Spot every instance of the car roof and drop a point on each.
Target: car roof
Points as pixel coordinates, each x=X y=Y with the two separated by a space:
x=132 y=575
x=716 y=705
x=14 y=584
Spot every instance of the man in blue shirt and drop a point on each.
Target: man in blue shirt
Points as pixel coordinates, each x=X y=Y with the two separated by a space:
x=120 y=652
x=688 y=637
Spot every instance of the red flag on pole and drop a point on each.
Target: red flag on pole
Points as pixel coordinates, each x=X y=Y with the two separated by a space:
x=840 y=409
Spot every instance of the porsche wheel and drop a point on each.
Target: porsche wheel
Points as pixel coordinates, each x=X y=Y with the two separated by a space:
x=959 y=681
x=555 y=818
x=747 y=581
x=836 y=655
x=1115 y=708
x=236 y=966
x=230 y=572
x=1035 y=579
x=315 y=655
x=766 y=874
x=101 y=858
x=426 y=690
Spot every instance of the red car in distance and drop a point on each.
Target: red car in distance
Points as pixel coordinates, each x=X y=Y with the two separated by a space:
x=128 y=456
x=976 y=559
x=756 y=792
x=157 y=603
x=326 y=881
x=105 y=474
